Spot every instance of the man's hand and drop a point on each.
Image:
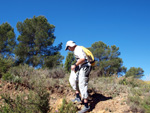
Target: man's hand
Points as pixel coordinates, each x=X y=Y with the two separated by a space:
x=73 y=67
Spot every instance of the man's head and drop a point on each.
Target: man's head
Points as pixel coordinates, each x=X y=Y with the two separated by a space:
x=70 y=45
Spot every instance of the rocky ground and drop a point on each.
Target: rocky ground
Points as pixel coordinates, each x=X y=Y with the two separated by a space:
x=100 y=103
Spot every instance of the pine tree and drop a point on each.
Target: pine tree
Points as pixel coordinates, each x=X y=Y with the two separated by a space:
x=36 y=43
x=70 y=60
x=108 y=59
x=135 y=72
x=7 y=40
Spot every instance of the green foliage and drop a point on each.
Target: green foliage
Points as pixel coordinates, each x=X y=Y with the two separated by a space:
x=107 y=85
x=146 y=104
x=67 y=107
x=139 y=96
x=139 y=102
x=36 y=101
x=22 y=74
x=138 y=91
x=17 y=105
x=42 y=97
x=7 y=76
x=56 y=73
x=7 y=39
x=123 y=81
x=53 y=61
x=30 y=76
x=70 y=59
x=32 y=103
x=36 y=43
x=108 y=59
x=135 y=72
x=135 y=104
x=132 y=82
x=5 y=64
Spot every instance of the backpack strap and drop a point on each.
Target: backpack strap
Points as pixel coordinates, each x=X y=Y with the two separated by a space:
x=92 y=61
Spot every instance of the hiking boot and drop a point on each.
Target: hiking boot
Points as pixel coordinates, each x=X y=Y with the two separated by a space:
x=84 y=110
x=76 y=100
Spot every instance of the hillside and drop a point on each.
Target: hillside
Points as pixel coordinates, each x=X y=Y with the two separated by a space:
x=100 y=103
x=104 y=100
x=48 y=91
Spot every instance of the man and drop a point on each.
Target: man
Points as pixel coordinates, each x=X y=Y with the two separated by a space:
x=79 y=74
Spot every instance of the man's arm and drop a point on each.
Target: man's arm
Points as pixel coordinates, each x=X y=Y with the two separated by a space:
x=80 y=61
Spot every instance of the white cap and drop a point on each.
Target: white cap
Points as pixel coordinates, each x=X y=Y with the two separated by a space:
x=70 y=44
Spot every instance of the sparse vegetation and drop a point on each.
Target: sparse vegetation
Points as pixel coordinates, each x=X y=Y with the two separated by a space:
x=67 y=107
x=107 y=85
x=37 y=100
x=26 y=103
x=42 y=82
x=29 y=76
x=139 y=98
x=5 y=65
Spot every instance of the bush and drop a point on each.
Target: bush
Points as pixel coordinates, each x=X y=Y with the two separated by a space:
x=130 y=81
x=42 y=97
x=35 y=102
x=146 y=104
x=29 y=76
x=107 y=85
x=17 y=105
x=7 y=76
x=5 y=64
x=67 y=107
x=139 y=98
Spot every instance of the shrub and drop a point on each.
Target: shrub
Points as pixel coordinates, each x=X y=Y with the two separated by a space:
x=139 y=98
x=35 y=102
x=136 y=109
x=67 y=107
x=29 y=76
x=7 y=76
x=107 y=85
x=17 y=105
x=56 y=73
x=146 y=104
x=11 y=78
x=130 y=81
x=22 y=71
x=42 y=97
x=5 y=64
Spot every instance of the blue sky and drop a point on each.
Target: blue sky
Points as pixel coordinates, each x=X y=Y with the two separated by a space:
x=124 y=23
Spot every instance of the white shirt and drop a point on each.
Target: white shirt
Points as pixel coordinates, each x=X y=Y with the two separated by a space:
x=79 y=53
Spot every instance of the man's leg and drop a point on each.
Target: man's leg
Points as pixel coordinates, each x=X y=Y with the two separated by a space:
x=83 y=86
x=86 y=103
x=77 y=98
x=86 y=107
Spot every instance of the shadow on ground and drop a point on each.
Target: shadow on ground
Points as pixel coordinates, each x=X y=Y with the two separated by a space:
x=96 y=98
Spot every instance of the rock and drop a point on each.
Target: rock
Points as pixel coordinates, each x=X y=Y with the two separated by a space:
x=25 y=98
x=57 y=105
x=103 y=111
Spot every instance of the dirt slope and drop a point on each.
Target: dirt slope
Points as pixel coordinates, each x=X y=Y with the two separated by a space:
x=99 y=103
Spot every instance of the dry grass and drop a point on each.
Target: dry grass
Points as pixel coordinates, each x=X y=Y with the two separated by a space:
x=107 y=85
x=30 y=76
x=147 y=82
x=39 y=79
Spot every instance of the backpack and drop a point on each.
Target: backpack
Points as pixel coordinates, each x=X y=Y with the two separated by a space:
x=89 y=55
